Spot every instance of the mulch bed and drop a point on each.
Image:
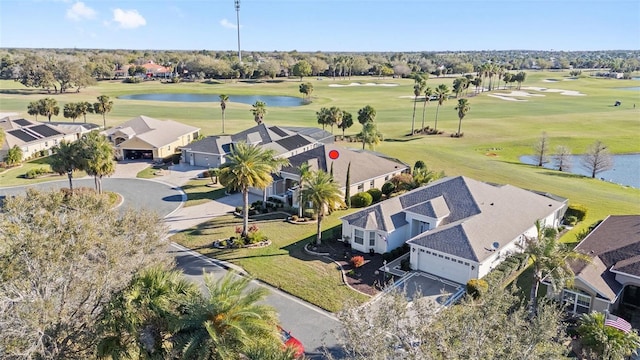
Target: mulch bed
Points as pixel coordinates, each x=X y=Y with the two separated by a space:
x=366 y=278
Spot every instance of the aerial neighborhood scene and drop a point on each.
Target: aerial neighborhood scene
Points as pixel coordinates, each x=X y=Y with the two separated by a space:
x=320 y=179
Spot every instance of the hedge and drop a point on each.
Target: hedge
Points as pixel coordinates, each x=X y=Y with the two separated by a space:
x=361 y=199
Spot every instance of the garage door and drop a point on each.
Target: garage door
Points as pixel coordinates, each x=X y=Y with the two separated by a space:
x=130 y=154
x=442 y=266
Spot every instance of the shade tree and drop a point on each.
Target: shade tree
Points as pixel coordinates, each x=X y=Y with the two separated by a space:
x=597 y=159
x=541 y=149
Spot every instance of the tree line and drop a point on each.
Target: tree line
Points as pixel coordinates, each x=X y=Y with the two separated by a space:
x=59 y=70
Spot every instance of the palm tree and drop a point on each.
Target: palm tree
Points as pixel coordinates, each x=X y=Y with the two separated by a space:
x=606 y=342
x=66 y=158
x=84 y=108
x=305 y=172
x=423 y=176
x=223 y=105
x=463 y=108
x=418 y=87
x=549 y=257
x=370 y=135
x=49 y=108
x=139 y=319
x=98 y=154
x=347 y=122
x=428 y=92
x=228 y=322
x=442 y=92
x=324 y=194
x=259 y=110
x=248 y=166
x=366 y=115
x=335 y=117
x=103 y=107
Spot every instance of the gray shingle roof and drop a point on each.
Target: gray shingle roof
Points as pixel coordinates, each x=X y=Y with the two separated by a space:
x=451 y=239
x=614 y=244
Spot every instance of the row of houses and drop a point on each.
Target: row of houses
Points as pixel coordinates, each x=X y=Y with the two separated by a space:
x=457 y=228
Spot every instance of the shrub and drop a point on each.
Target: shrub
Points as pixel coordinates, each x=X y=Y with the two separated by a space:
x=402 y=182
x=357 y=261
x=35 y=172
x=294 y=217
x=579 y=211
x=361 y=199
x=477 y=287
x=309 y=213
x=388 y=188
x=419 y=165
x=376 y=194
x=254 y=237
x=132 y=80
x=405 y=265
x=239 y=209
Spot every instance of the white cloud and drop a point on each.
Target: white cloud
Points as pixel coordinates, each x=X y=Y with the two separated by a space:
x=227 y=24
x=80 y=11
x=128 y=19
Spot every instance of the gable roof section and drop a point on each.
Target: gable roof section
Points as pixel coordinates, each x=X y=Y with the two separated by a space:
x=479 y=214
x=613 y=245
x=154 y=132
x=22 y=131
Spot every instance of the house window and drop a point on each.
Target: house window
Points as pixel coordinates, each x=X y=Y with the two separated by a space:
x=169 y=148
x=361 y=188
x=429 y=252
x=576 y=303
x=358 y=236
x=466 y=263
x=372 y=238
x=446 y=258
x=372 y=184
x=440 y=255
x=422 y=250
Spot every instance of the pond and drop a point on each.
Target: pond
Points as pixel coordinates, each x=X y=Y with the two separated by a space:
x=625 y=171
x=633 y=88
x=270 y=100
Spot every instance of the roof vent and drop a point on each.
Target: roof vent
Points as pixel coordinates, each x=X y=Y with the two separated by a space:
x=491 y=204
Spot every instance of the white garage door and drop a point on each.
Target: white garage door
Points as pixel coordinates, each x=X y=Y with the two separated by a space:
x=442 y=266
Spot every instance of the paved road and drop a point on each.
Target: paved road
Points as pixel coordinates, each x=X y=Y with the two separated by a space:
x=306 y=322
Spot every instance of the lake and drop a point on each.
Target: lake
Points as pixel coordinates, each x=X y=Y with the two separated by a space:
x=270 y=100
x=626 y=168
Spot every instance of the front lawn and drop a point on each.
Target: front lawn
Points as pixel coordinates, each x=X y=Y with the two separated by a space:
x=283 y=264
x=199 y=192
x=15 y=176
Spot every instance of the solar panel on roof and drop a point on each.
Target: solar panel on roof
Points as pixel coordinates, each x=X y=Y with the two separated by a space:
x=22 y=122
x=22 y=135
x=278 y=131
x=293 y=142
x=45 y=131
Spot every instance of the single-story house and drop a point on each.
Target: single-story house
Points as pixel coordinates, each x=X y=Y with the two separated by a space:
x=211 y=151
x=457 y=228
x=367 y=170
x=33 y=136
x=146 y=138
x=611 y=281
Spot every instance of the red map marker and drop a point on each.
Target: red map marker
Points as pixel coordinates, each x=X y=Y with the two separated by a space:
x=334 y=154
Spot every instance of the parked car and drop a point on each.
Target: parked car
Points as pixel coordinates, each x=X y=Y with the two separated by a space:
x=291 y=342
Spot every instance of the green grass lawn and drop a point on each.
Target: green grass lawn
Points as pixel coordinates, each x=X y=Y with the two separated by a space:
x=198 y=191
x=15 y=176
x=496 y=133
x=283 y=264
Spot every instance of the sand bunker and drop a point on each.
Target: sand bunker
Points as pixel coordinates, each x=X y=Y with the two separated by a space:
x=359 y=84
x=550 y=80
x=503 y=97
x=562 y=92
x=519 y=93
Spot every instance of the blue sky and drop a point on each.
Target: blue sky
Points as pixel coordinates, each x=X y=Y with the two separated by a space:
x=325 y=25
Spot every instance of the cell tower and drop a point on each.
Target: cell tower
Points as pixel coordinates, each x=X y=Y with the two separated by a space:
x=237 y=4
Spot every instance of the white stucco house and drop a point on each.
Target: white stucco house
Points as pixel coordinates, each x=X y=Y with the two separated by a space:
x=34 y=136
x=611 y=282
x=457 y=228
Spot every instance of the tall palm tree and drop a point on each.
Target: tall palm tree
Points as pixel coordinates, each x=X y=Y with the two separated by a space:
x=98 y=154
x=228 y=322
x=463 y=108
x=84 y=107
x=249 y=166
x=259 y=110
x=428 y=92
x=49 y=108
x=347 y=122
x=66 y=159
x=442 y=92
x=223 y=105
x=139 y=319
x=305 y=172
x=103 y=107
x=418 y=87
x=549 y=257
x=324 y=194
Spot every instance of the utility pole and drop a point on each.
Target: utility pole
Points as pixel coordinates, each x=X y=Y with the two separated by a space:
x=237 y=4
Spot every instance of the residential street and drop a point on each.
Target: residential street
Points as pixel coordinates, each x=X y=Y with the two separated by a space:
x=306 y=322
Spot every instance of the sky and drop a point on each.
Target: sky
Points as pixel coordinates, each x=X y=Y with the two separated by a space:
x=322 y=25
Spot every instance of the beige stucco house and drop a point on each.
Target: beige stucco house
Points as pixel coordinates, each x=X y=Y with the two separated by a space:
x=147 y=138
